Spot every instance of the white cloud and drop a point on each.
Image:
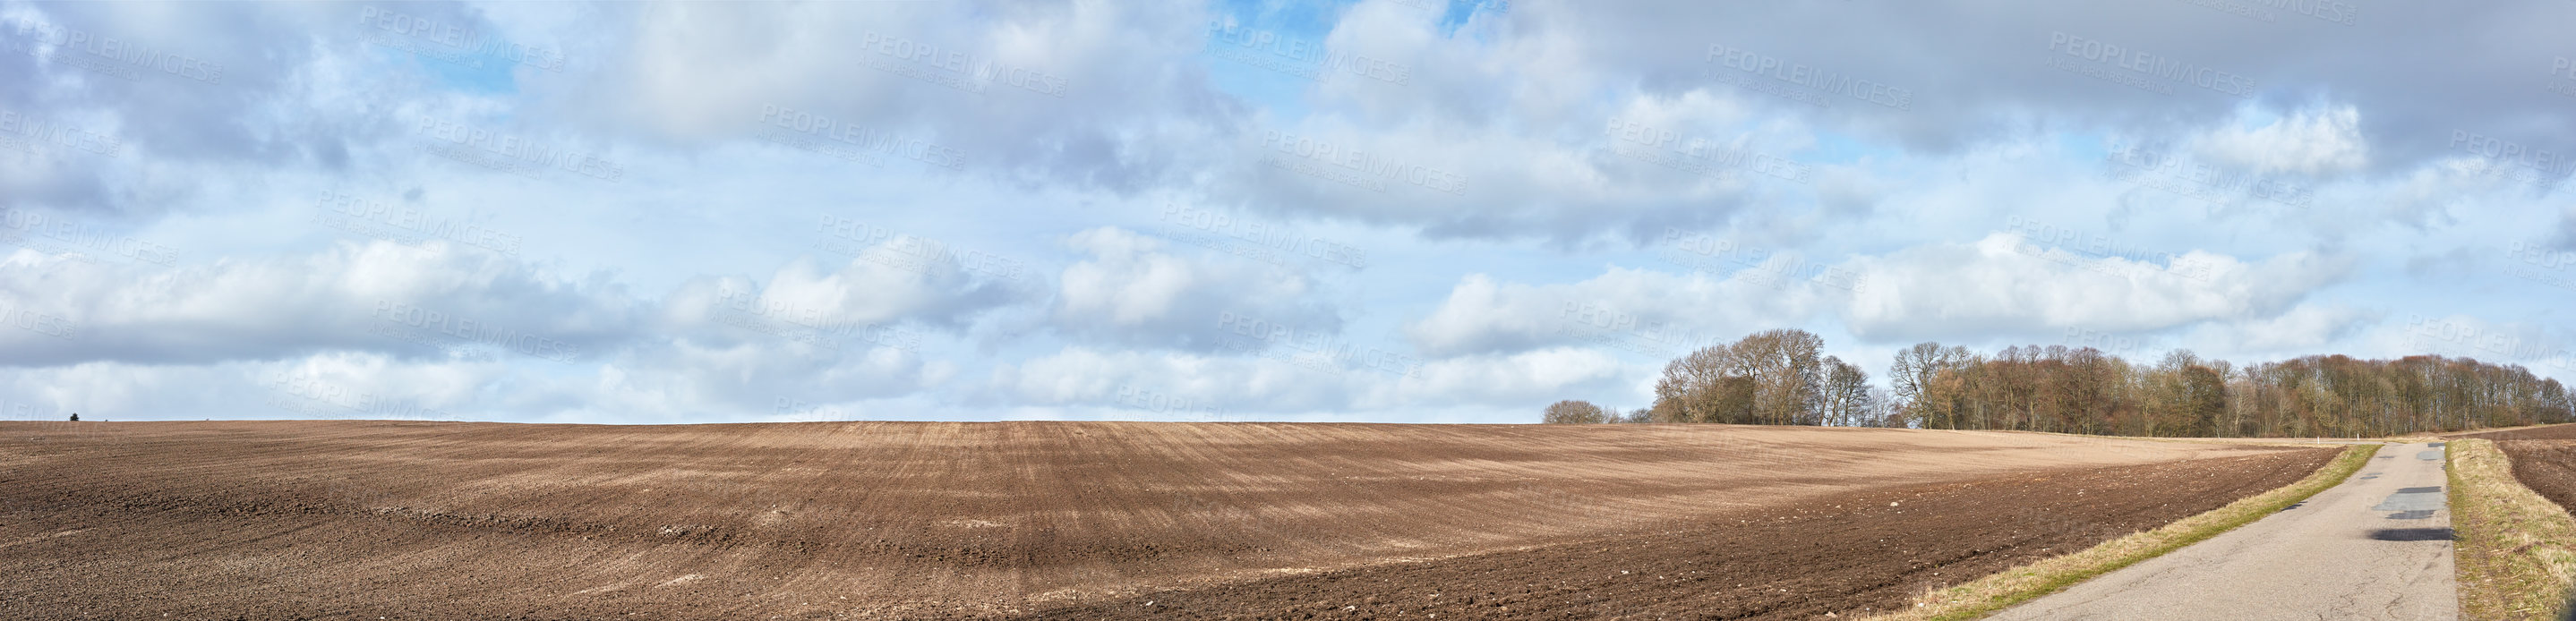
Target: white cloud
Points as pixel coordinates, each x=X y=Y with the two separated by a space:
x=1505 y=381
x=1494 y=274
x=2002 y=285
x=2306 y=142
x=1130 y=289
x=2306 y=328
x=350 y=296
x=1647 y=309
x=1173 y=384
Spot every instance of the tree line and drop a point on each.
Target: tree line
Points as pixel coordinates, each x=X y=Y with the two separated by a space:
x=1777 y=378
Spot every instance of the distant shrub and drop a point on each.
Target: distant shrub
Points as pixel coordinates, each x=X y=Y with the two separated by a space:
x=1573 y=412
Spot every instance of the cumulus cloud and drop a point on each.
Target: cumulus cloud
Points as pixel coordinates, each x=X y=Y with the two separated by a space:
x=2305 y=328
x=1060 y=92
x=2004 y=285
x=2000 y=286
x=1174 y=384
x=1655 y=312
x=1133 y=289
x=2305 y=142
x=904 y=280
x=682 y=380
x=2538 y=347
x=326 y=385
x=1488 y=162
x=379 y=296
x=1507 y=380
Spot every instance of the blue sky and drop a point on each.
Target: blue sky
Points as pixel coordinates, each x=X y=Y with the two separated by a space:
x=1394 y=211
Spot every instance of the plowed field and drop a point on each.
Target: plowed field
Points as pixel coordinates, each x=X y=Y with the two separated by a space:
x=408 y=520
x=2544 y=459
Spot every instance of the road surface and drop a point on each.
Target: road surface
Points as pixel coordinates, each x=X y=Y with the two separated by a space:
x=2376 y=547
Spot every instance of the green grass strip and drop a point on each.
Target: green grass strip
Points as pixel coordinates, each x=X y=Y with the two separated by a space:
x=2514 y=549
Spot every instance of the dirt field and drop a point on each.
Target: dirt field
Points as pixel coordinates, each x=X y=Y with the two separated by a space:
x=826 y=520
x=2544 y=459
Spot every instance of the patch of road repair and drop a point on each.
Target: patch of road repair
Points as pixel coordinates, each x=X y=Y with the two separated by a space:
x=2426 y=498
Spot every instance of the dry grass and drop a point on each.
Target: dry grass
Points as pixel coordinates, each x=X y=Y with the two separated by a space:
x=1996 y=592
x=2516 y=551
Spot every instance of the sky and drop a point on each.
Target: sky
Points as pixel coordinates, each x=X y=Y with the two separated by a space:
x=1408 y=211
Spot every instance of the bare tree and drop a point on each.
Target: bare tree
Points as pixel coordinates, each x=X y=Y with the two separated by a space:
x=1688 y=391
x=1846 y=394
x=1916 y=367
x=1786 y=375
x=1573 y=412
x=1773 y=377
x=1882 y=411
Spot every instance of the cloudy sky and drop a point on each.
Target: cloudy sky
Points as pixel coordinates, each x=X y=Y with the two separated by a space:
x=1389 y=210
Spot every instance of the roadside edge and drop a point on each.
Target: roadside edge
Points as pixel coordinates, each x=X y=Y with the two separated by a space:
x=2514 y=549
x=1993 y=593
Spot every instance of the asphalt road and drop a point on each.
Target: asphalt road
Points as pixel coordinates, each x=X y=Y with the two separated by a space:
x=2376 y=547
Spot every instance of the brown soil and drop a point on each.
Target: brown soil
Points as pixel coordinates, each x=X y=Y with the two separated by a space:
x=2544 y=459
x=1849 y=553
x=352 y=519
x=2546 y=432
x=2545 y=466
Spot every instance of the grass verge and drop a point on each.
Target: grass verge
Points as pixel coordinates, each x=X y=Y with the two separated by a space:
x=2515 y=550
x=1996 y=592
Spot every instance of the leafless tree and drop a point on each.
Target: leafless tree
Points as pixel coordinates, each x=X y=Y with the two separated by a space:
x=1573 y=412
x=1846 y=394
